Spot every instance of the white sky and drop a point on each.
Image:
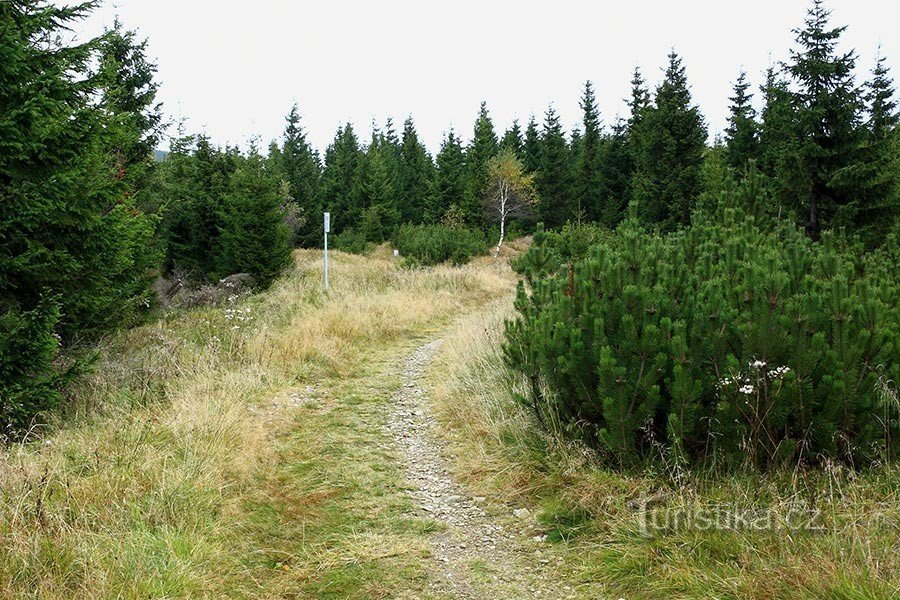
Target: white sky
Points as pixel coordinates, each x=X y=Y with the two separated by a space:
x=233 y=68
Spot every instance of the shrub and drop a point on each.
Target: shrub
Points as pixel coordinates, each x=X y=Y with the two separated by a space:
x=351 y=240
x=434 y=244
x=734 y=338
x=29 y=380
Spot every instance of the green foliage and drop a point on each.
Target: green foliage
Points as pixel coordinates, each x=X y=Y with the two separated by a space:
x=227 y=212
x=351 y=240
x=415 y=182
x=669 y=143
x=737 y=338
x=827 y=111
x=512 y=139
x=552 y=250
x=29 y=383
x=340 y=178
x=589 y=185
x=254 y=237
x=616 y=172
x=76 y=249
x=553 y=179
x=531 y=147
x=194 y=185
x=435 y=244
x=297 y=163
x=379 y=212
x=742 y=133
x=481 y=150
x=878 y=195
x=450 y=185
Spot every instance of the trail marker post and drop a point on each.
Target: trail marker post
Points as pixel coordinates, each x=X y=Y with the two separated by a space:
x=327 y=229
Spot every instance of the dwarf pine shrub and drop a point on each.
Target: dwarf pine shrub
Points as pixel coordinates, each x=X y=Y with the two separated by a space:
x=736 y=338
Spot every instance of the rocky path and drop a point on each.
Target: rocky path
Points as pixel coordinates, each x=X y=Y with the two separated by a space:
x=474 y=554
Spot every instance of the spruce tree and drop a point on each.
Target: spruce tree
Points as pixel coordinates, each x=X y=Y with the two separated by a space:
x=670 y=140
x=639 y=100
x=481 y=149
x=742 y=133
x=576 y=146
x=531 y=147
x=512 y=139
x=778 y=140
x=134 y=117
x=340 y=190
x=878 y=197
x=450 y=184
x=73 y=242
x=616 y=170
x=298 y=164
x=588 y=176
x=553 y=178
x=415 y=181
x=379 y=211
x=827 y=104
x=254 y=236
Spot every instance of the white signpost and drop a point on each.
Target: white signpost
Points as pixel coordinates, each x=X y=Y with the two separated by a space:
x=327 y=229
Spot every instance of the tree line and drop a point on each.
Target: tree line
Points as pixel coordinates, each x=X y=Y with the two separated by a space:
x=827 y=147
x=89 y=218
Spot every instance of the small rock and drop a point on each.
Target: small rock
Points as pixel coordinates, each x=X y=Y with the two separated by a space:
x=522 y=513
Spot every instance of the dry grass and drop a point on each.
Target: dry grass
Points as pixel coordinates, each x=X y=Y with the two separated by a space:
x=594 y=513
x=196 y=462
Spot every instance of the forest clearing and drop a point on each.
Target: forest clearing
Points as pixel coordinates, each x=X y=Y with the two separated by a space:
x=262 y=453
x=627 y=347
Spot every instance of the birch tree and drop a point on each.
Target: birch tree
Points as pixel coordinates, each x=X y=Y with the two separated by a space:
x=511 y=193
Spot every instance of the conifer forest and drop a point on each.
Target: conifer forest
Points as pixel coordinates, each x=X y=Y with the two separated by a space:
x=603 y=327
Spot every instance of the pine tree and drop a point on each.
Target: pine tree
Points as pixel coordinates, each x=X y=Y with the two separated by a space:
x=482 y=148
x=254 y=236
x=512 y=139
x=742 y=133
x=827 y=105
x=553 y=178
x=588 y=179
x=670 y=140
x=415 y=182
x=531 y=147
x=450 y=184
x=298 y=164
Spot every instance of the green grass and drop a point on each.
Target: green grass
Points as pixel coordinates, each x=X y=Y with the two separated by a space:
x=195 y=462
x=589 y=513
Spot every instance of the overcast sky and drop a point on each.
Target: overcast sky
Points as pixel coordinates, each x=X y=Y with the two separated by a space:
x=233 y=68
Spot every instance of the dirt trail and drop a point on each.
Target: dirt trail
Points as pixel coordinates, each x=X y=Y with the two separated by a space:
x=475 y=555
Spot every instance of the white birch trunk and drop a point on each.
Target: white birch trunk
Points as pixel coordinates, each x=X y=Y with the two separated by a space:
x=504 y=196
